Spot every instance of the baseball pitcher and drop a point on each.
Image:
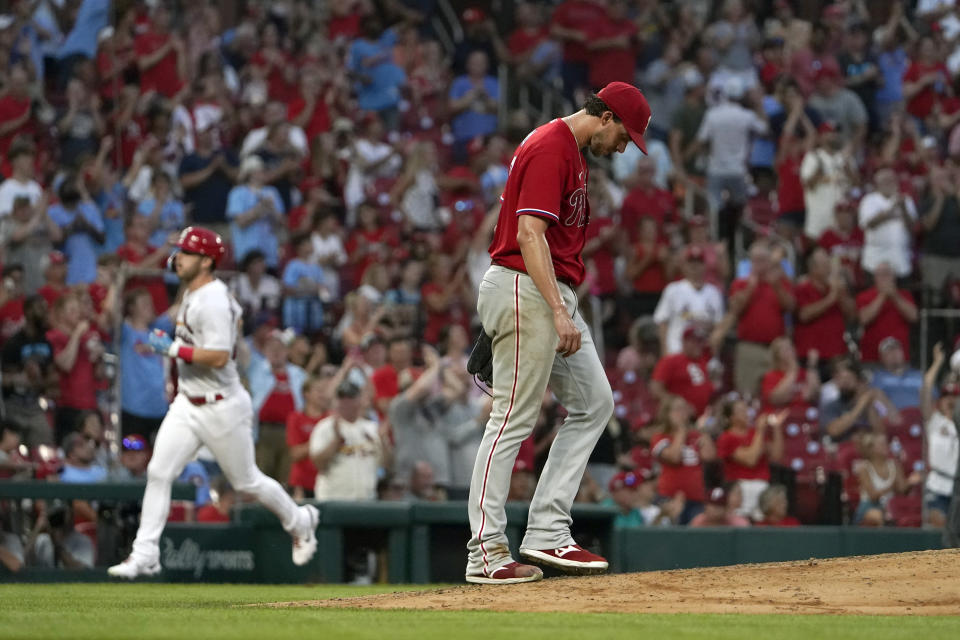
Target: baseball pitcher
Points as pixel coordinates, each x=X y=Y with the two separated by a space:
x=528 y=306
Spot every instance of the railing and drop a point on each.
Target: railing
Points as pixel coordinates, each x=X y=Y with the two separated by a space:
x=926 y=315
x=41 y=490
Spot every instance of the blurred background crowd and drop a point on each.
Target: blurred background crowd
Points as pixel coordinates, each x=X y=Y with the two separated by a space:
x=765 y=286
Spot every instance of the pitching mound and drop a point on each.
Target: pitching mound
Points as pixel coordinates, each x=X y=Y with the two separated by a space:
x=921 y=583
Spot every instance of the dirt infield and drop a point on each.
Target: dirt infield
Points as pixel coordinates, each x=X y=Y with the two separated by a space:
x=921 y=583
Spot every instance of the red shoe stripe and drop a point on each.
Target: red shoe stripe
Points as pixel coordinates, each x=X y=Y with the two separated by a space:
x=506 y=418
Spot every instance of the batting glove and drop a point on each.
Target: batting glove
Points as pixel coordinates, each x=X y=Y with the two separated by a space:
x=160 y=342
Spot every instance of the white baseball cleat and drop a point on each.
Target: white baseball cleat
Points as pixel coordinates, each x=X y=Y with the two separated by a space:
x=305 y=542
x=131 y=569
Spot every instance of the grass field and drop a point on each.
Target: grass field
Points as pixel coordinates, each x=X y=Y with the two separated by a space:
x=145 y=611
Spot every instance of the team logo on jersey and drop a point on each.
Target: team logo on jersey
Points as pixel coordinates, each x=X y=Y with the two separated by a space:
x=578 y=208
x=697 y=377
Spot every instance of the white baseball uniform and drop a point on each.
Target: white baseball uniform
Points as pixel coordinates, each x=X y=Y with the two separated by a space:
x=682 y=304
x=352 y=474
x=212 y=409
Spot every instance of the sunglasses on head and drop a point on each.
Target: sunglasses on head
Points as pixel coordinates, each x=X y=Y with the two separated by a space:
x=631 y=480
x=133 y=444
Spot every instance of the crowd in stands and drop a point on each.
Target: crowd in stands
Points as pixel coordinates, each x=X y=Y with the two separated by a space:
x=754 y=283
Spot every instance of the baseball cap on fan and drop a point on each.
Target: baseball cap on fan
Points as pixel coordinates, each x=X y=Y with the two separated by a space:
x=626 y=101
x=718 y=497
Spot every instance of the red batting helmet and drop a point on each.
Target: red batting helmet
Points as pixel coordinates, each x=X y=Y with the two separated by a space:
x=203 y=242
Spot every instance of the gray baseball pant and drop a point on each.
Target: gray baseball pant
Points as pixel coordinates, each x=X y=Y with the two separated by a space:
x=520 y=323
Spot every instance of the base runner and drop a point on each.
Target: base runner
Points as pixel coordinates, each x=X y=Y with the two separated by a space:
x=211 y=408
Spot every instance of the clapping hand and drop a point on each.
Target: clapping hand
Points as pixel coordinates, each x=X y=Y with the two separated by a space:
x=430 y=356
x=776 y=420
x=159 y=341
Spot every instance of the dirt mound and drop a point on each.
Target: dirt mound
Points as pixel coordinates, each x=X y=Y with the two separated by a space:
x=921 y=583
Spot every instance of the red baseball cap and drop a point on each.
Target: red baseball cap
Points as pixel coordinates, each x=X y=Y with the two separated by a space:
x=828 y=70
x=694 y=253
x=56 y=257
x=135 y=442
x=630 y=479
x=473 y=15
x=834 y=10
x=718 y=497
x=693 y=332
x=826 y=127
x=626 y=101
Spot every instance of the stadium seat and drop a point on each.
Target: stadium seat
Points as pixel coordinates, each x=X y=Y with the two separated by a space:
x=810 y=463
x=180 y=511
x=794 y=441
x=88 y=529
x=910 y=427
x=633 y=403
x=806 y=418
x=807 y=499
x=847 y=459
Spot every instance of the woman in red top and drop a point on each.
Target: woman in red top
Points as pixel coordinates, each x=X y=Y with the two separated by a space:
x=649 y=268
x=370 y=242
x=76 y=347
x=681 y=452
x=136 y=252
x=278 y=68
x=316 y=406
x=786 y=384
x=748 y=450
x=794 y=144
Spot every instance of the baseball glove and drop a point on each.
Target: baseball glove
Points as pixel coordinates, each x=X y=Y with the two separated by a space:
x=480 y=363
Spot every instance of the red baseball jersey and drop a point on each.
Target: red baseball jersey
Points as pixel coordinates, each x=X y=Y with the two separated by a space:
x=686 y=378
x=888 y=323
x=762 y=318
x=824 y=333
x=548 y=179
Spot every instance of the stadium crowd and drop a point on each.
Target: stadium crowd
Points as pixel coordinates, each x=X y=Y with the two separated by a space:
x=755 y=281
